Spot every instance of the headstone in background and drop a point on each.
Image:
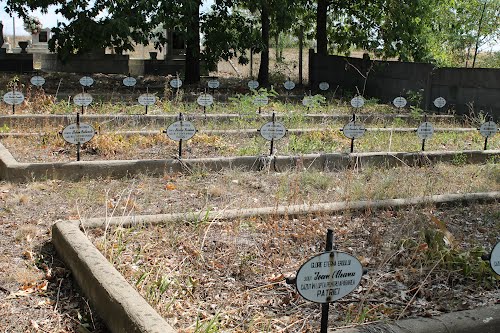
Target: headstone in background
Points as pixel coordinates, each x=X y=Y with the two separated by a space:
x=40 y=41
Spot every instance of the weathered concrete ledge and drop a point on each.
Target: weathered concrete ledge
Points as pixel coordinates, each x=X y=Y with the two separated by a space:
x=480 y=320
x=11 y=170
x=124 y=310
x=118 y=304
x=291 y=210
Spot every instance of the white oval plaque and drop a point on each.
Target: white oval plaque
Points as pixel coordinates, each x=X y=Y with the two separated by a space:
x=75 y=134
x=357 y=102
x=181 y=130
x=273 y=131
x=495 y=259
x=260 y=100
x=425 y=130
x=307 y=101
x=439 y=102
x=37 y=81
x=328 y=277
x=129 y=81
x=13 y=97
x=324 y=86
x=289 y=85
x=147 y=99
x=252 y=84
x=354 y=130
x=213 y=84
x=205 y=100
x=176 y=83
x=86 y=81
x=399 y=102
x=83 y=99
x=488 y=129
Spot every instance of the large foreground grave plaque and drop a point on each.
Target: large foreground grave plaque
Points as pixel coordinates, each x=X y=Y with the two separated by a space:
x=13 y=98
x=488 y=129
x=181 y=130
x=271 y=131
x=78 y=134
x=425 y=131
x=353 y=130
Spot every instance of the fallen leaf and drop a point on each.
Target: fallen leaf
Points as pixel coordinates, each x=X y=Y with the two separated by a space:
x=170 y=187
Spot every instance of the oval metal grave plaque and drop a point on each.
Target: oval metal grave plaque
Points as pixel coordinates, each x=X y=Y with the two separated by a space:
x=260 y=100
x=13 y=97
x=307 y=101
x=273 y=131
x=129 y=81
x=495 y=259
x=181 y=130
x=425 y=130
x=399 y=102
x=83 y=99
x=205 y=100
x=324 y=86
x=213 y=84
x=488 y=129
x=354 y=130
x=37 y=81
x=252 y=84
x=86 y=81
x=439 y=102
x=176 y=83
x=147 y=99
x=75 y=134
x=289 y=85
x=329 y=276
x=357 y=102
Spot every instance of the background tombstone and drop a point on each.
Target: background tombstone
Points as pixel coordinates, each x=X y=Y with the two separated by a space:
x=2 y=41
x=40 y=41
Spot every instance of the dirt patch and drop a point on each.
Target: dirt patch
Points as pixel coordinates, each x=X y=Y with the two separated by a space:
x=230 y=276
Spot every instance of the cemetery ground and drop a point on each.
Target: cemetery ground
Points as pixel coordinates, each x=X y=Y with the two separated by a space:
x=216 y=275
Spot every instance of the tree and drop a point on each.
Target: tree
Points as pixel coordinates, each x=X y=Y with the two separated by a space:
x=125 y=23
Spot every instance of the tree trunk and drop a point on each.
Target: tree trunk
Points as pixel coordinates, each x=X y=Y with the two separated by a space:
x=478 y=35
x=264 y=56
x=321 y=37
x=192 y=74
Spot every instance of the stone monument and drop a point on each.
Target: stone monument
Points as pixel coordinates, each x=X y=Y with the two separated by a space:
x=40 y=41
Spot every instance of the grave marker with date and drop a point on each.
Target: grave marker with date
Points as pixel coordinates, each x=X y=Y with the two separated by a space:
x=271 y=131
x=180 y=131
x=253 y=84
x=82 y=99
x=488 y=129
x=146 y=100
x=13 y=98
x=425 y=131
x=260 y=101
x=353 y=130
x=205 y=100
x=77 y=134
x=439 y=102
x=327 y=277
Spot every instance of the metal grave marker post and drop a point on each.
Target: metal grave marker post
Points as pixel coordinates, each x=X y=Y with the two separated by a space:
x=37 y=81
x=399 y=102
x=146 y=100
x=205 y=100
x=130 y=82
x=289 y=85
x=180 y=130
x=271 y=131
x=213 y=84
x=439 y=102
x=495 y=259
x=13 y=98
x=487 y=130
x=425 y=131
x=357 y=102
x=353 y=130
x=260 y=101
x=78 y=134
x=307 y=101
x=324 y=86
x=82 y=99
x=328 y=277
x=253 y=84
x=86 y=82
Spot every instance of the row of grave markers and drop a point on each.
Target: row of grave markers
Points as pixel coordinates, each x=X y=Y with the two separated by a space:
x=183 y=130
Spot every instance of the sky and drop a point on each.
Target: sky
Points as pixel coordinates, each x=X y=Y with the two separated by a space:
x=48 y=20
